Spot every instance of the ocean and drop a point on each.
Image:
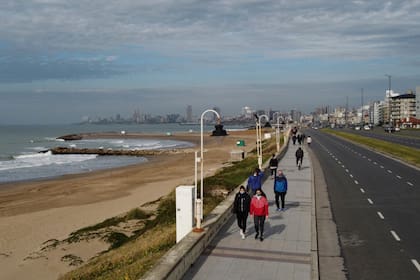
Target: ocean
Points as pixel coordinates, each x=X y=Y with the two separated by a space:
x=20 y=147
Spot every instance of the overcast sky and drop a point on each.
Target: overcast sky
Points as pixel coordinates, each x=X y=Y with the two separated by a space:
x=61 y=60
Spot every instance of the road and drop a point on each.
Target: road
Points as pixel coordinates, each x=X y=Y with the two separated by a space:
x=406 y=138
x=376 y=205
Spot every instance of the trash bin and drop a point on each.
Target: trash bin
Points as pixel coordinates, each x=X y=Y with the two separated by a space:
x=240 y=143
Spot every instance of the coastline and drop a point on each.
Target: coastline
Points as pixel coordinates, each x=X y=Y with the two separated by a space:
x=34 y=212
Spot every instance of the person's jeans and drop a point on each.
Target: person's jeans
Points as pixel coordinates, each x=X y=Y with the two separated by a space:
x=299 y=159
x=241 y=218
x=259 y=224
x=282 y=195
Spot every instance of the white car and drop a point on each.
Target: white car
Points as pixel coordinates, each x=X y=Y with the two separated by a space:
x=357 y=127
x=366 y=127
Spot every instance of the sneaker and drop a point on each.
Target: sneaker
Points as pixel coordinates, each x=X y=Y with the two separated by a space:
x=256 y=235
x=278 y=209
x=283 y=209
x=261 y=238
x=240 y=232
x=243 y=235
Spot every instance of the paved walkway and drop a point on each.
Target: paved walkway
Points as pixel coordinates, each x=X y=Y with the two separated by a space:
x=285 y=252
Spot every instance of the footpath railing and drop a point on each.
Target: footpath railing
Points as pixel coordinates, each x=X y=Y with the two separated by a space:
x=174 y=264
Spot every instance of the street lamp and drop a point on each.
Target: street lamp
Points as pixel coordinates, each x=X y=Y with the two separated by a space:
x=259 y=142
x=199 y=201
x=278 y=133
x=389 y=99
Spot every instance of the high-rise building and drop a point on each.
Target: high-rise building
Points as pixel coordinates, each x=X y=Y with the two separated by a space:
x=403 y=107
x=418 y=102
x=189 y=116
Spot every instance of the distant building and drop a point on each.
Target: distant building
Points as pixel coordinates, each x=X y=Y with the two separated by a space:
x=418 y=102
x=403 y=107
x=189 y=115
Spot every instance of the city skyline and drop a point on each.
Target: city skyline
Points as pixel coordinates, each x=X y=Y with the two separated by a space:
x=61 y=61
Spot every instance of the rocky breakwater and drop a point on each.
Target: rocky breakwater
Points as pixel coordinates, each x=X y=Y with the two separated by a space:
x=111 y=152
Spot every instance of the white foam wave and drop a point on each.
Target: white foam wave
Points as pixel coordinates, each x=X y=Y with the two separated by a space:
x=42 y=159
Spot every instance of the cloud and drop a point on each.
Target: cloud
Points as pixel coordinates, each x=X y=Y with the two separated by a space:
x=358 y=29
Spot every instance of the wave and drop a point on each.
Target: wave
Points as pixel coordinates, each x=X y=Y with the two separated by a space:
x=42 y=159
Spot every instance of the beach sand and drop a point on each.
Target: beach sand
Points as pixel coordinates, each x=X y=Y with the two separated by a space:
x=32 y=213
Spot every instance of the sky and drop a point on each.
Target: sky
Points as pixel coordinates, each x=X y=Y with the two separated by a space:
x=62 y=60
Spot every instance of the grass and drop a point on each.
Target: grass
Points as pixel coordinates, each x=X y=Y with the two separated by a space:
x=407 y=154
x=131 y=257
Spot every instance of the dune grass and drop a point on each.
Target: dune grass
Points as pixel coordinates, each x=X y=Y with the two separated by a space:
x=132 y=257
x=404 y=153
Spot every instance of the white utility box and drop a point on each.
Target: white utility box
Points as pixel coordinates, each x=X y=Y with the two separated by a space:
x=185 y=201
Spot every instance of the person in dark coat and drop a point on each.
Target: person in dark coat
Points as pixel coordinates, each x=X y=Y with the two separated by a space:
x=299 y=156
x=255 y=181
x=273 y=166
x=241 y=207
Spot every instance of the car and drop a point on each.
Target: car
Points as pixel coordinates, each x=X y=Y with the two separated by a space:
x=366 y=127
x=357 y=127
x=389 y=128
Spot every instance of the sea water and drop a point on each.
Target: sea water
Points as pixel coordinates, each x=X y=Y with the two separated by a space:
x=23 y=148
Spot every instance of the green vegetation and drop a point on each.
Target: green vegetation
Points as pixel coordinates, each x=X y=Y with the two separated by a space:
x=407 y=154
x=131 y=257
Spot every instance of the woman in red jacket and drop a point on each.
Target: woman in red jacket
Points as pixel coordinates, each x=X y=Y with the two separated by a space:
x=259 y=209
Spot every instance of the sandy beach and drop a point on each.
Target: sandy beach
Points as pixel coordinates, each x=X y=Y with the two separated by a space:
x=32 y=213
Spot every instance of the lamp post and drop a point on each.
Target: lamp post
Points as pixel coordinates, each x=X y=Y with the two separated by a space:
x=278 y=134
x=199 y=201
x=389 y=99
x=259 y=141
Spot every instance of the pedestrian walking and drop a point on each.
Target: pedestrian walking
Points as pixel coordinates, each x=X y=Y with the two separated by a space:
x=280 y=190
x=273 y=166
x=299 y=139
x=259 y=210
x=299 y=157
x=255 y=181
x=241 y=207
x=294 y=139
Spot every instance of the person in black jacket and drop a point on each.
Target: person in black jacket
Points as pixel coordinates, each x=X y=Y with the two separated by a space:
x=273 y=166
x=241 y=209
x=299 y=156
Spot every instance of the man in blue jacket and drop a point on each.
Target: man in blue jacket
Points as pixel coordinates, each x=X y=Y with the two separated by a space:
x=280 y=189
x=255 y=181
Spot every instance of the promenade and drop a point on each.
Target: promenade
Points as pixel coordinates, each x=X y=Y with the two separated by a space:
x=285 y=252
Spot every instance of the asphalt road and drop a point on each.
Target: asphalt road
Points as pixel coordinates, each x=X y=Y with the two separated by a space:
x=411 y=139
x=376 y=205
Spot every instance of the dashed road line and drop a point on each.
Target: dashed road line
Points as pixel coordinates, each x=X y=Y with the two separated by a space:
x=399 y=177
x=382 y=166
x=369 y=159
x=351 y=176
x=343 y=166
x=395 y=235
x=380 y=215
x=409 y=183
x=356 y=182
x=362 y=190
x=375 y=163
x=347 y=170
x=370 y=201
x=416 y=264
x=389 y=171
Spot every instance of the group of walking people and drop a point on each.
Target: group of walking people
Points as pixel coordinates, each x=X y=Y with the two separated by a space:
x=253 y=201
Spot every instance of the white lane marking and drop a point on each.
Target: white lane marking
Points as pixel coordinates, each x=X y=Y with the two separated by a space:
x=399 y=177
x=369 y=159
x=380 y=215
x=389 y=171
x=351 y=176
x=364 y=156
x=382 y=166
x=343 y=166
x=375 y=163
x=347 y=170
x=370 y=201
x=339 y=162
x=356 y=182
x=409 y=183
x=362 y=190
x=416 y=264
x=395 y=235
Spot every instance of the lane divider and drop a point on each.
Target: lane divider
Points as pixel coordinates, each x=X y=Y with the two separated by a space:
x=370 y=201
x=380 y=215
x=395 y=235
x=416 y=264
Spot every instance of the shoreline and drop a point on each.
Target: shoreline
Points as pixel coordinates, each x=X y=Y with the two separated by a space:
x=34 y=212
